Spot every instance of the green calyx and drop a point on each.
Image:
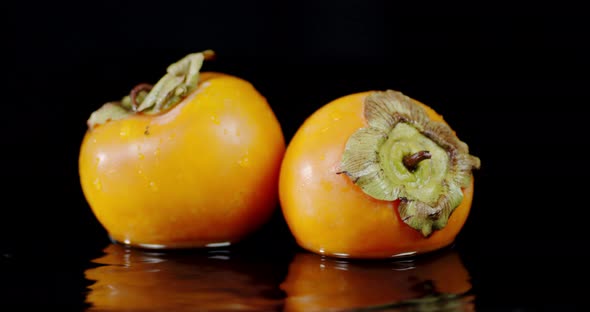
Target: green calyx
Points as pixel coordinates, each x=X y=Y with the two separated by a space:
x=403 y=155
x=180 y=80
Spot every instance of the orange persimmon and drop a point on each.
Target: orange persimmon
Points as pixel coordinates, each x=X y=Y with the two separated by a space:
x=374 y=175
x=192 y=162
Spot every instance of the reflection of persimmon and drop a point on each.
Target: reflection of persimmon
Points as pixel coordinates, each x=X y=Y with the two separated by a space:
x=317 y=283
x=135 y=280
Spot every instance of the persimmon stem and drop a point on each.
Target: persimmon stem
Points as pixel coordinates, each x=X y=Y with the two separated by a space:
x=411 y=161
x=209 y=55
x=181 y=78
x=135 y=91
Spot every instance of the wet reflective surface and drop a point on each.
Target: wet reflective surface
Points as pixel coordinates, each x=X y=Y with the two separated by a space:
x=139 y=280
x=270 y=273
x=129 y=279
x=438 y=282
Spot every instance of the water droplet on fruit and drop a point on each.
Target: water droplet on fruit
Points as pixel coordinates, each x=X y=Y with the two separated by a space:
x=335 y=116
x=153 y=186
x=97 y=184
x=215 y=119
x=244 y=162
x=124 y=132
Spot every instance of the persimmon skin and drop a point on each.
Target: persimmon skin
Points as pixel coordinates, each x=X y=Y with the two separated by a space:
x=204 y=172
x=327 y=213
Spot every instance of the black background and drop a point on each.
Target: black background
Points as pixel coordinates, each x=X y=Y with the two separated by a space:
x=512 y=81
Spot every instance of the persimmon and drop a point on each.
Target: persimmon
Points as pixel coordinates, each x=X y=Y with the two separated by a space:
x=438 y=282
x=191 y=162
x=376 y=174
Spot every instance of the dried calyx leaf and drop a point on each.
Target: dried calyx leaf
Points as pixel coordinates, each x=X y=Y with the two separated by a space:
x=180 y=80
x=403 y=155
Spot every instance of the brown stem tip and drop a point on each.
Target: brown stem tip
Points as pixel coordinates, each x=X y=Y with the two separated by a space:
x=411 y=161
x=209 y=55
x=135 y=91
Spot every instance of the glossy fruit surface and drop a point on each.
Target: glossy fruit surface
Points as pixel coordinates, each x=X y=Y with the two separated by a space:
x=328 y=214
x=203 y=172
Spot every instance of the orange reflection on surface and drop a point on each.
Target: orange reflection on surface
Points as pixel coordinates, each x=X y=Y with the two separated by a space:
x=430 y=283
x=137 y=280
